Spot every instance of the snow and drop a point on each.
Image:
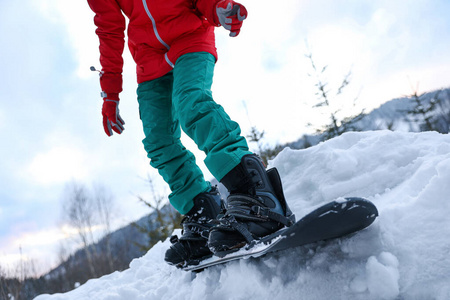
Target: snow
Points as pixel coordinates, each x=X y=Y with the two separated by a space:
x=404 y=254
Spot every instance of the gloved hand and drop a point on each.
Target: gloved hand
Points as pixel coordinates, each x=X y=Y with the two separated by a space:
x=230 y=15
x=110 y=111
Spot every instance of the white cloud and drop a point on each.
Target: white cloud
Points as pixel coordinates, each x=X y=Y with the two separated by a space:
x=58 y=165
x=39 y=238
x=380 y=22
x=36 y=249
x=2 y=120
x=77 y=18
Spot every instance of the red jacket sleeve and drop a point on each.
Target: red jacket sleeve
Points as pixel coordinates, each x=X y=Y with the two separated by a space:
x=206 y=8
x=110 y=24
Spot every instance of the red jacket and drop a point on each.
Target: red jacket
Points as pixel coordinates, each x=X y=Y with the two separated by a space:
x=159 y=31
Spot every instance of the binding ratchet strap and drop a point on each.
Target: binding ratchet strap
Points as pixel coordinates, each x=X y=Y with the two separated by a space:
x=230 y=221
x=265 y=212
x=193 y=230
x=248 y=208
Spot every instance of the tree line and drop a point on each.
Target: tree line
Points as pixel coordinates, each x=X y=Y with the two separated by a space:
x=100 y=250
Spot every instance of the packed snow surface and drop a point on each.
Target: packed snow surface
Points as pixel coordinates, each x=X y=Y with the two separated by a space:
x=404 y=254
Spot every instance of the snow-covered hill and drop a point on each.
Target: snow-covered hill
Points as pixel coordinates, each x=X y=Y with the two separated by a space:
x=403 y=255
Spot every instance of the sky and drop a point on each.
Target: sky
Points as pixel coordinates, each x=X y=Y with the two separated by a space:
x=50 y=123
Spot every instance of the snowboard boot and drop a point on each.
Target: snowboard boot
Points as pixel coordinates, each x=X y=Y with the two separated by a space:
x=192 y=246
x=256 y=207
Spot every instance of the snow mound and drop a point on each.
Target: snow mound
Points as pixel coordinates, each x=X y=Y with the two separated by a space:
x=403 y=255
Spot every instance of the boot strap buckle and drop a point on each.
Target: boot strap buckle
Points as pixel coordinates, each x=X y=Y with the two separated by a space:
x=262 y=212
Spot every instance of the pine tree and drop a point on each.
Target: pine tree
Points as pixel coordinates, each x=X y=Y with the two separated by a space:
x=430 y=114
x=327 y=99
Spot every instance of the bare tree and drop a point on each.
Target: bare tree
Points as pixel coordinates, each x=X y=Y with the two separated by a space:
x=104 y=207
x=159 y=228
x=15 y=280
x=89 y=212
x=4 y=289
x=79 y=211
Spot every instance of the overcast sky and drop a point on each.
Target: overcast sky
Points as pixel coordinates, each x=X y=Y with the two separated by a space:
x=50 y=122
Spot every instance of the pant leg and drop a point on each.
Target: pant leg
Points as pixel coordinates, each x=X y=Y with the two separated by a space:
x=201 y=118
x=162 y=142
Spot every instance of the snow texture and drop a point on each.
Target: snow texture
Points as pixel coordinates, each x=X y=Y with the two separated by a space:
x=404 y=254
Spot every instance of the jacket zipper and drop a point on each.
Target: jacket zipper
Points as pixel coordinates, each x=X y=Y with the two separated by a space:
x=155 y=30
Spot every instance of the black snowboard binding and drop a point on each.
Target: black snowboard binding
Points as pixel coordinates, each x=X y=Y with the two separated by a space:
x=192 y=246
x=256 y=207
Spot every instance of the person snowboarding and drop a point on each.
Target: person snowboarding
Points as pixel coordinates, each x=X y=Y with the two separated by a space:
x=173 y=46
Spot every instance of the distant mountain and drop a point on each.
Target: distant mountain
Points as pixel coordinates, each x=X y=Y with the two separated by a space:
x=394 y=115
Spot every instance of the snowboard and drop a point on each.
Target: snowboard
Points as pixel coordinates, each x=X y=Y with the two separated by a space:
x=332 y=220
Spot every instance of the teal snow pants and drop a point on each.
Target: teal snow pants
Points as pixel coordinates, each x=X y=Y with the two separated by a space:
x=183 y=98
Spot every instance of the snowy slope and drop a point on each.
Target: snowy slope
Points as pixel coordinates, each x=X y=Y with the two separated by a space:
x=405 y=254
